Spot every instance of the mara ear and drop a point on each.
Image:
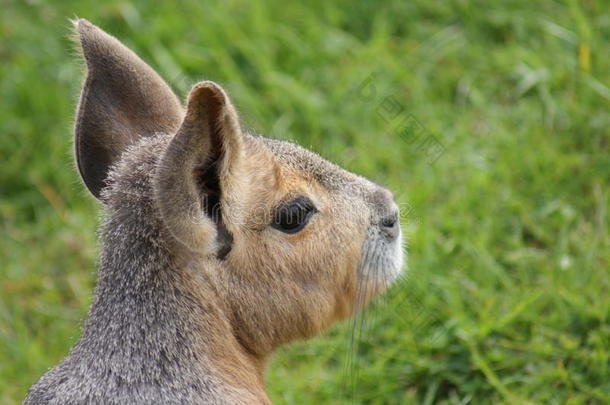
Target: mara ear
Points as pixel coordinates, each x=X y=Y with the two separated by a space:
x=123 y=99
x=197 y=170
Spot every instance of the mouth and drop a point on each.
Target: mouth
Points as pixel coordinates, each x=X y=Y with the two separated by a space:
x=381 y=262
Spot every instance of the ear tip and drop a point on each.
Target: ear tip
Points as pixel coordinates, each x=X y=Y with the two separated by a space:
x=207 y=85
x=91 y=38
x=82 y=22
x=81 y=34
x=100 y=50
x=82 y=26
x=205 y=89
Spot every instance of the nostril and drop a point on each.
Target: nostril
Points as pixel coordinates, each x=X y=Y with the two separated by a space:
x=389 y=225
x=389 y=222
x=385 y=212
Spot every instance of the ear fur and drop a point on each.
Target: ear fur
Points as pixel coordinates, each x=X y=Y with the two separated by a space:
x=209 y=139
x=122 y=100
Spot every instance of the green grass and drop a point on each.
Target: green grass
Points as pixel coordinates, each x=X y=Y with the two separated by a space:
x=507 y=299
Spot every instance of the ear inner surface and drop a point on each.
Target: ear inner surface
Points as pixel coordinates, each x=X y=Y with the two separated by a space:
x=123 y=99
x=208 y=139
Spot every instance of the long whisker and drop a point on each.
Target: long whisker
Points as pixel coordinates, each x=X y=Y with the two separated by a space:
x=381 y=302
x=370 y=271
x=352 y=342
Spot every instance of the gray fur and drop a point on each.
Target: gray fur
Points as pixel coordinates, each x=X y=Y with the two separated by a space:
x=165 y=326
x=137 y=343
x=123 y=98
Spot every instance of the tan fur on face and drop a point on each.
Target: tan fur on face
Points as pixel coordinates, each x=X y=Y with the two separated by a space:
x=282 y=287
x=196 y=285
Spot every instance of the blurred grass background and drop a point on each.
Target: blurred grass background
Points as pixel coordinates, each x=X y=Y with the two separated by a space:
x=507 y=299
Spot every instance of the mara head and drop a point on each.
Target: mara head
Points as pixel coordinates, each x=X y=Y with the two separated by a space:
x=284 y=241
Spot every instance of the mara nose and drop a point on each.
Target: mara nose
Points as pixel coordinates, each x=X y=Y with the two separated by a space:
x=390 y=226
x=388 y=212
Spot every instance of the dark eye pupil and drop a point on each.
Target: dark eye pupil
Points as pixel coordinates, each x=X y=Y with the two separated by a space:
x=293 y=216
x=290 y=220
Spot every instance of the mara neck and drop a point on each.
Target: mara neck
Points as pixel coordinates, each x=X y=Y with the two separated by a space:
x=154 y=321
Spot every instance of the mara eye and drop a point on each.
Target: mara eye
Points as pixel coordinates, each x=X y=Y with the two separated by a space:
x=293 y=216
